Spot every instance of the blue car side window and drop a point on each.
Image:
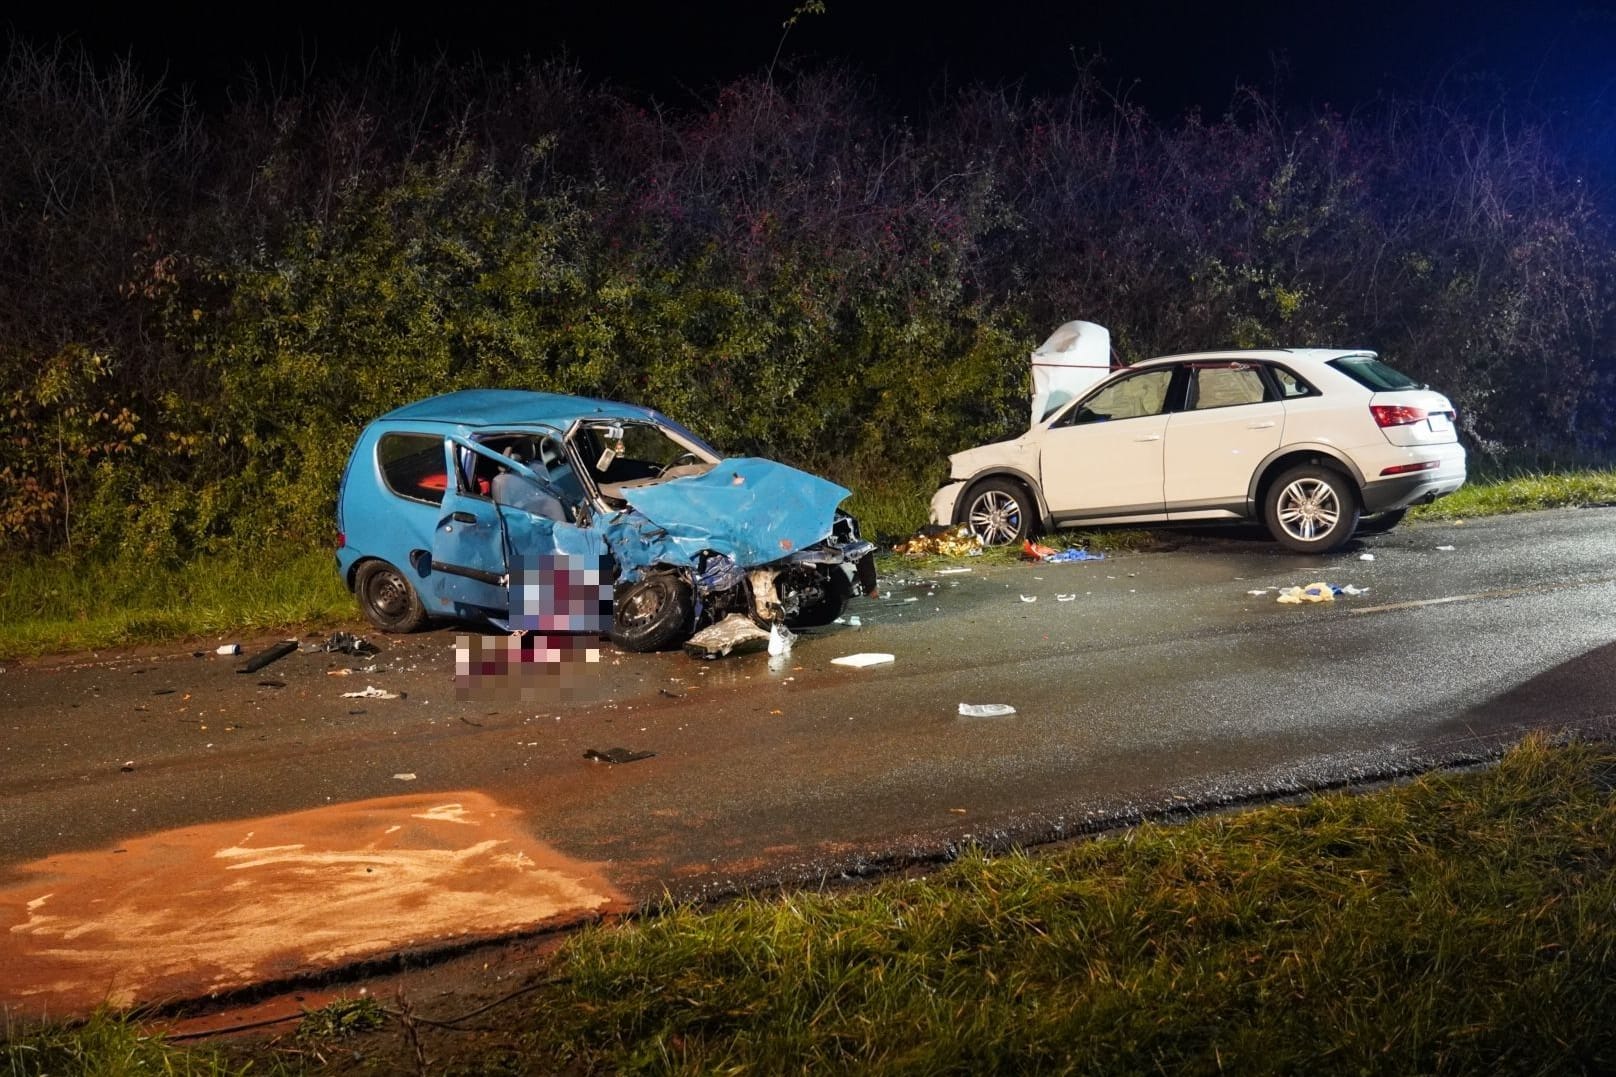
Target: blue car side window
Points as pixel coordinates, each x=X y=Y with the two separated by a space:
x=412 y=466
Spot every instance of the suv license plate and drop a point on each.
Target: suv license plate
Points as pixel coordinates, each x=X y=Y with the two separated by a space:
x=1440 y=423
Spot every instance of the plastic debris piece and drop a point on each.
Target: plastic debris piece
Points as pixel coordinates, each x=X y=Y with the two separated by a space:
x=735 y=634
x=348 y=643
x=406 y=776
x=854 y=622
x=228 y=648
x=1263 y=591
x=1351 y=590
x=953 y=571
x=1029 y=598
x=1445 y=547
x=1313 y=592
x=1034 y=551
x=268 y=655
x=371 y=692
x=344 y=672
x=1066 y=598
x=128 y=765
x=1366 y=557
x=615 y=755
x=863 y=659
x=1073 y=554
x=985 y=710
x=780 y=640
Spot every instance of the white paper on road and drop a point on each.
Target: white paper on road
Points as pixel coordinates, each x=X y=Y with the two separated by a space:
x=985 y=710
x=859 y=661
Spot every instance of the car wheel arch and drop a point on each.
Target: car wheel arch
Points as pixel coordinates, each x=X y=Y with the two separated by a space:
x=1292 y=456
x=1020 y=478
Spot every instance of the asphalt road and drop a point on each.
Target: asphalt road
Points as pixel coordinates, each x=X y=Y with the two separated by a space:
x=1160 y=683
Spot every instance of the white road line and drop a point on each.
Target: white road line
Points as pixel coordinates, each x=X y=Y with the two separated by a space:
x=1510 y=592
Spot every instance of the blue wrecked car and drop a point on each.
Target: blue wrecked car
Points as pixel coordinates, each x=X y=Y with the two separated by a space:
x=447 y=504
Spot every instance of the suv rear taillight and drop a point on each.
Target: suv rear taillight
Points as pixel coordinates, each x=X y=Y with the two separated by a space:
x=1396 y=414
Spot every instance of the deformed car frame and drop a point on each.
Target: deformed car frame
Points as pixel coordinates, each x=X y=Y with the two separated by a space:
x=684 y=535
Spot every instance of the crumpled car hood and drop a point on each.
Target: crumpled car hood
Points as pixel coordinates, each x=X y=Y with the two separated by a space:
x=756 y=511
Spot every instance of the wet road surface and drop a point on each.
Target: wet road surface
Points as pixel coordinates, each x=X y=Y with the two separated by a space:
x=1142 y=683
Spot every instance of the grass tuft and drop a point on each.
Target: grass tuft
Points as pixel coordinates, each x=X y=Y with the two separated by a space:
x=1524 y=492
x=61 y=604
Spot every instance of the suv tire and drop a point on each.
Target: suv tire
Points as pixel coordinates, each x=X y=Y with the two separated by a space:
x=1000 y=512
x=1378 y=523
x=1311 y=509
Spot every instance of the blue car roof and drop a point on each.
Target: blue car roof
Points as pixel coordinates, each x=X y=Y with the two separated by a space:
x=508 y=407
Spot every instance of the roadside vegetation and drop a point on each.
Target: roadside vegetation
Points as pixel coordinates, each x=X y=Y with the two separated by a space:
x=65 y=603
x=1461 y=923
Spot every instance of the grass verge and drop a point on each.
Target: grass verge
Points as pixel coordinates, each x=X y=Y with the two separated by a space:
x=1524 y=492
x=1462 y=923
x=60 y=604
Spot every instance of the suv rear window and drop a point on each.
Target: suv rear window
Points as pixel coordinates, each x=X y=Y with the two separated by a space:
x=1374 y=375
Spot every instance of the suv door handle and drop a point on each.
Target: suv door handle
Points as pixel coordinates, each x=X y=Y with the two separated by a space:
x=1148 y=437
x=1260 y=426
x=463 y=517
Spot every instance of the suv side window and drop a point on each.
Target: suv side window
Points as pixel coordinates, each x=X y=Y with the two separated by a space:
x=1142 y=394
x=412 y=466
x=1223 y=385
x=1290 y=386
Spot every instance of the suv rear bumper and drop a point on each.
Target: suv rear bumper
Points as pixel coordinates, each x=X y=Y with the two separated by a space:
x=1382 y=494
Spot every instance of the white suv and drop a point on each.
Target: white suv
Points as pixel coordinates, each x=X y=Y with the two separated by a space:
x=1316 y=443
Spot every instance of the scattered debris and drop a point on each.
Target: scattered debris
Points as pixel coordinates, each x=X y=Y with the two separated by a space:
x=780 y=640
x=851 y=621
x=268 y=655
x=228 y=648
x=344 y=672
x=1066 y=598
x=735 y=634
x=953 y=571
x=348 y=643
x=1445 y=547
x=1366 y=557
x=945 y=542
x=372 y=692
x=985 y=710
x=1318 y=592
x=1261 y=591
x=863 y=659
x=615 y=755
x=1029 y=598
x=1034 y=551
x=670 y=695
x=407 y=776
x=128 y=765
x=272 y=684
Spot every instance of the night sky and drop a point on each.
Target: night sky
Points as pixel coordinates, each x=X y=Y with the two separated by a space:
x=1165 y=56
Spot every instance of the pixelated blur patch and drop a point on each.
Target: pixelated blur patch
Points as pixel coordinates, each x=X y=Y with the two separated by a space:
x=560 y=592
x=528 y=668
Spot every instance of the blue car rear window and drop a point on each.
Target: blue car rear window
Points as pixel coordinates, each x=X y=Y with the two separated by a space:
x=412 y=466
